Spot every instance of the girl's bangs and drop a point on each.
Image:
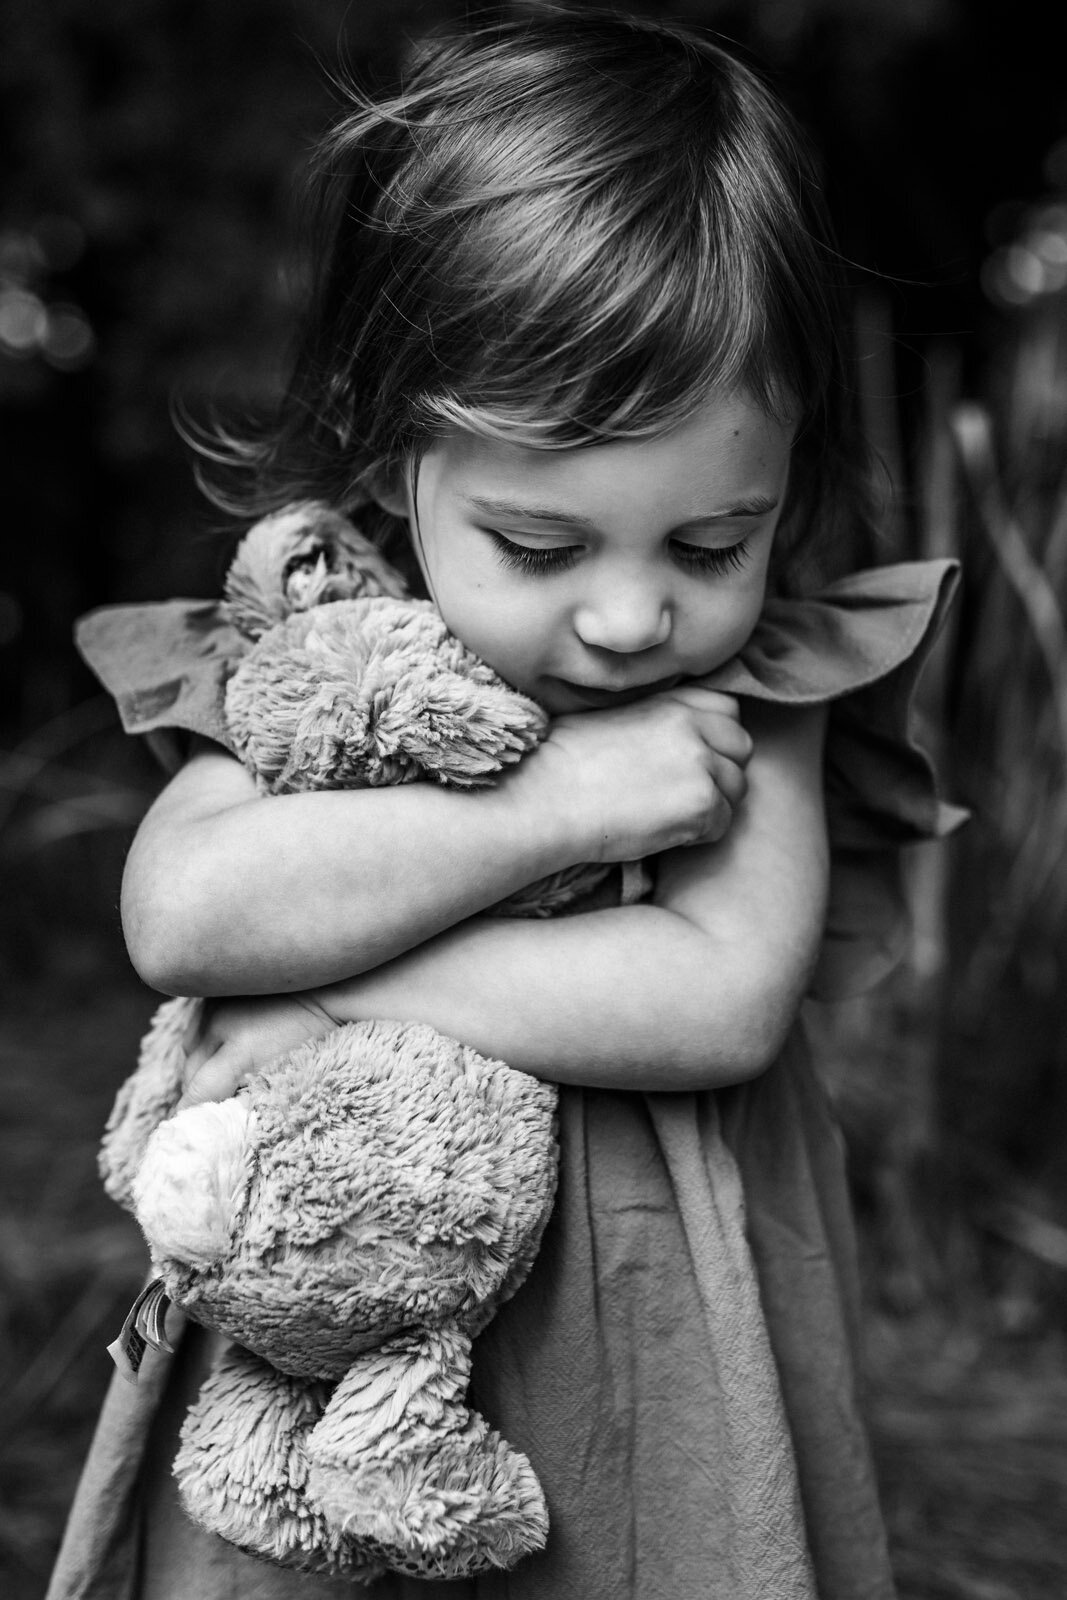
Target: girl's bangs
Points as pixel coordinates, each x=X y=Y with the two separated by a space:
x=643 y=369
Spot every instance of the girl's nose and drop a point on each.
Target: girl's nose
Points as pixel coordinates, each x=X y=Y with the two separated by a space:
x=626 y=620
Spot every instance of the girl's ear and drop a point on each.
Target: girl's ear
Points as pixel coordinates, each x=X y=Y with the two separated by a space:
x=387 y=488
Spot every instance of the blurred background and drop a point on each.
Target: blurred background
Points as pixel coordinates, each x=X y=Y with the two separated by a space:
x=146 y=254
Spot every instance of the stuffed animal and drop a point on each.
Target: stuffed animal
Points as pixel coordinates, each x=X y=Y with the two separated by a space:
x=353 y=1217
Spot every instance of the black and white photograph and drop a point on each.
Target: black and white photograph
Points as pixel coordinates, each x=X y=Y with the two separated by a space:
x=533 y=800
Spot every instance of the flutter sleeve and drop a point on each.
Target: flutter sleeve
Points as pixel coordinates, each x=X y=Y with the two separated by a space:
x=859 y=647
x=166 y=666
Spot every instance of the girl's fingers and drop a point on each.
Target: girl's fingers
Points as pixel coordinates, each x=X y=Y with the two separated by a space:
x=237 y=1036
x=191 y=1036
x=718 y=719
x=708 y=700
x=730 y=779
x=726 y=738
x=216 y=1078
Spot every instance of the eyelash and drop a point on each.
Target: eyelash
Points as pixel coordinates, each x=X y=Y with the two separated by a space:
x=696 y=558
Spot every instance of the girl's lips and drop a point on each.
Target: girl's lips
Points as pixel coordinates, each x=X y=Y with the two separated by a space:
x=599 y=699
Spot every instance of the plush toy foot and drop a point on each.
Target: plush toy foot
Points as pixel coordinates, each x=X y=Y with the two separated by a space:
x=242 y=1468
x=401 y=1464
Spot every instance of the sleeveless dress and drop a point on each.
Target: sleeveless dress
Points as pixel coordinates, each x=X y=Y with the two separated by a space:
x=680 y=1366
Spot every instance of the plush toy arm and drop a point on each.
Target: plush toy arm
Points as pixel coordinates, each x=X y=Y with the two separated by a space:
x=242 y=1468
x=147 y=1098
x=399 y=1462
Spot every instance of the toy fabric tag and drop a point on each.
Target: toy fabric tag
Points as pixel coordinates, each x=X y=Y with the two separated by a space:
x=145 y=1326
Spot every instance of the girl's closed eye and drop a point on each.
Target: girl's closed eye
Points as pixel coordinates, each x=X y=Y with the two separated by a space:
x=533 y=558
x=716 y=559
x=711 y=559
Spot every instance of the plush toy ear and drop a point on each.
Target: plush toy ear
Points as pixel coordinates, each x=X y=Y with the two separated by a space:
x=301 y=557
x=192 y=1184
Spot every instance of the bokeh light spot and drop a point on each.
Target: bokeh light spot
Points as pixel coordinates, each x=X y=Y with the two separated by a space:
x=1024 y=269
x=23 y=321
x=68 y=341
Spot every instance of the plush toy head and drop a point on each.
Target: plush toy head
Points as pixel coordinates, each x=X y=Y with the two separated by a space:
x=382 y=1178
x=365 y=693
x=349 y=684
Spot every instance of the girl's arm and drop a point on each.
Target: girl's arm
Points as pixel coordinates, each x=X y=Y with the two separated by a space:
x=227 y=893
x=695 y=990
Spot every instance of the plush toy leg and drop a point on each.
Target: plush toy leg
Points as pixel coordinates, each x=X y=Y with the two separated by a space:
x=400 y=1462
x=242 y=1467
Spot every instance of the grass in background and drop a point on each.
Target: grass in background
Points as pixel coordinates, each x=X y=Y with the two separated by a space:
x=951 y=1081
x=72 y=1012
x=70 y=1262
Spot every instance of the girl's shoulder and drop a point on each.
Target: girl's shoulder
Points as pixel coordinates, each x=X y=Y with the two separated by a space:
x=165 y=663
x=859 y=647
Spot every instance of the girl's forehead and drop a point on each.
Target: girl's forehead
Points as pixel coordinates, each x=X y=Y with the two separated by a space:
x=728 y=447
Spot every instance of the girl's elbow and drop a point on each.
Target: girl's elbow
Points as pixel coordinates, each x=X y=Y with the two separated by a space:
x=158 y=955
x=163 y=929
x=737 y=1043
x=739 y=1059
x=766 y=1002
x=760 y=1046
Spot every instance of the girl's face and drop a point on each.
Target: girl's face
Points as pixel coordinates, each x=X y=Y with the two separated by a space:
x=589 y=577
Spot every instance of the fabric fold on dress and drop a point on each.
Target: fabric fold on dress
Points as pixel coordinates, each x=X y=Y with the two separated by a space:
x=165 y=664
x=101 y=1551
x=860 y=648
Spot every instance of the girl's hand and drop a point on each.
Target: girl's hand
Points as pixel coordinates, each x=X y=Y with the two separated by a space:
x=646 y=777
x=234 y=1038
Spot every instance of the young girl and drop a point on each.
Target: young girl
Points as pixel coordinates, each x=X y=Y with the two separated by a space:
x=577 y=342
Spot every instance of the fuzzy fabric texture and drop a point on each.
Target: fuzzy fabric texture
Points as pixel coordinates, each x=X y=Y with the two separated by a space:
x=148 y=1095
x=431 y=1489
x=357 y=1214
x=377 y=1179
x=207 y=1159
x=304 y=556
x=242 y=1468
x=366 y=693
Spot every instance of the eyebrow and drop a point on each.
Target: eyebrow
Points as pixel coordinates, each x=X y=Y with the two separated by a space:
x=755 y=506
